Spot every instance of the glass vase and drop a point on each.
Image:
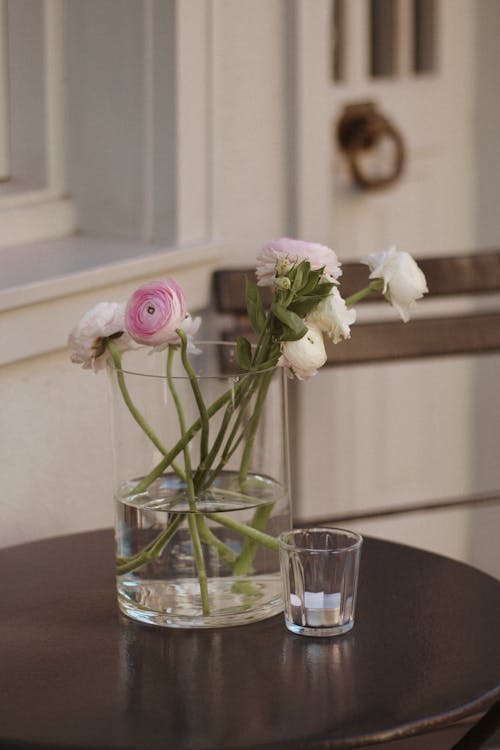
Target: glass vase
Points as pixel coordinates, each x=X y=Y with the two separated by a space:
x=202 y=487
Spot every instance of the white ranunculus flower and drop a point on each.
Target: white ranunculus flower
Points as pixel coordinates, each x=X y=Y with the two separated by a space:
x=404 y=282
x=306 y=355
x=333 y=317
x=87 y=339
x=190 y=327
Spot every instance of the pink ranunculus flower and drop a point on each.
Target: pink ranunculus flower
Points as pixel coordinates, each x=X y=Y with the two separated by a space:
x=87 y=339
x=306 y=355
x=280 y=255
x=154 y=311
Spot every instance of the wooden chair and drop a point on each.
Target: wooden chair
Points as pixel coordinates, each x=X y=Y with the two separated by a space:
x=475 y=276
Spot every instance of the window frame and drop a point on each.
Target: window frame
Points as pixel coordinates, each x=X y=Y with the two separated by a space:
x=55 y=267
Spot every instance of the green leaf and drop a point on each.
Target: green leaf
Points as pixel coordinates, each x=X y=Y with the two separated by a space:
x=270 y=362
x=255 y=308
x=244 y=352
x=302 y=306
x=274 y=355
x=301 y=275
x=295 y=327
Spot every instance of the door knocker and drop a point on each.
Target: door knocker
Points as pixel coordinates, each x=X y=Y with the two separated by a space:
x=364 y=134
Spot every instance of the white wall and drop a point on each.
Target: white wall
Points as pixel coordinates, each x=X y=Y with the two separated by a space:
x=54 y=441
x=249 y=124
x=55 y=449
x=487 y=122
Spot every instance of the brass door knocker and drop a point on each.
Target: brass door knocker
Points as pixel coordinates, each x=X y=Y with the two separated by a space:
x=362 y=131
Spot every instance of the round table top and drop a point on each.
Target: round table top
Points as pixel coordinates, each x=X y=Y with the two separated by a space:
x=423 y=653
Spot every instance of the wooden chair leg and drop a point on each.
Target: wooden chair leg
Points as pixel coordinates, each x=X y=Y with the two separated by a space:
x=480 y=732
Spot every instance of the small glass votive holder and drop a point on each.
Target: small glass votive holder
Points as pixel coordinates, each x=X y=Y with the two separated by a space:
x=319 y=572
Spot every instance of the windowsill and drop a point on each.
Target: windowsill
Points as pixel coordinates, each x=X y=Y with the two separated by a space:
x=46 y=286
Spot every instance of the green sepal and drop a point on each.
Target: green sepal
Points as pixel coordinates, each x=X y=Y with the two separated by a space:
x=114 y=336
x=323 y=289
x=255 y=308
x=313 y=281
x=294 y=326
x=244 y=352
x=303 y=307
x=289 y=335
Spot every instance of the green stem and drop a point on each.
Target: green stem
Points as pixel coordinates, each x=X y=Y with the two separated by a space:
x=136 y=414
x=262 y=348
x=178 y=471
x=254 y=423
x=192 y=521
x=115 y=354
x=265 y=539
x=242 y=401
x=200 y=563
x=179 y=446
x=205 y=425
x=230 y=448
x=261 y=515
x=243 y=564
x=208 y=537
x=233 y=493
x=225 y=458
x=202 y=470
x=374 y=286
x=152 y=551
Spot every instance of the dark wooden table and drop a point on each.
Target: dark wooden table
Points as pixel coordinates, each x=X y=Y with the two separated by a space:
x=74 y=673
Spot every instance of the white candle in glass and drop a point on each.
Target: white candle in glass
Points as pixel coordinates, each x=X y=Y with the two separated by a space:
x=318 y=609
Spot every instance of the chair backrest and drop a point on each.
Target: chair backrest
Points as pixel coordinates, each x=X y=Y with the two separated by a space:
x=477 y=275
x=474 y=276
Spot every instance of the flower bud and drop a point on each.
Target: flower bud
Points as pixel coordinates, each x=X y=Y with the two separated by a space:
x=282 y=282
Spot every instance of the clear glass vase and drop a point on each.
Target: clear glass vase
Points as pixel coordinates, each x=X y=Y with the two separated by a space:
x=202 y=487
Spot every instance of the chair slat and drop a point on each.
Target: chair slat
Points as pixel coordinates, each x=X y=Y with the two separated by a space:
x=378 y=341
x=464 y=274
x=229 y=290
x=474 y=273
x=391 y=340
x=423 y=337
x=465 y=501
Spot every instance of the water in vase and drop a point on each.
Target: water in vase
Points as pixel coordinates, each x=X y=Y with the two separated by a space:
x=157 y=572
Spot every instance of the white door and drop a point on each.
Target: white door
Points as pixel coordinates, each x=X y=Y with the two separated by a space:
x=379 y=436
x=420 y=74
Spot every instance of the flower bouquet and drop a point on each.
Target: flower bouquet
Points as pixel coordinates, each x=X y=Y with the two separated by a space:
x=200 y=429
